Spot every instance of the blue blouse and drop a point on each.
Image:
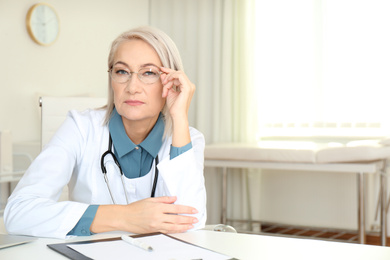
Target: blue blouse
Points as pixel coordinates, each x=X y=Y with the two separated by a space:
x=135 y=160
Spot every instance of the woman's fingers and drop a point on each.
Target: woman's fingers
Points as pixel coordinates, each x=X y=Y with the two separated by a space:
x=178 y=90
x=169 y=228
x=177 y=223
x=170 y=208
x=175 y=78
x=167 y=74
x=160 y=214
x=164 y=199
x=180 y=209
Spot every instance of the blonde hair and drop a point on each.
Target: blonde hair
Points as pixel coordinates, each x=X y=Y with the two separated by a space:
x=167 y=52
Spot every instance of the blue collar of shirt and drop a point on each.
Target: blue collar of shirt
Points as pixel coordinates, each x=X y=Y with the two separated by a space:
x=123 y=143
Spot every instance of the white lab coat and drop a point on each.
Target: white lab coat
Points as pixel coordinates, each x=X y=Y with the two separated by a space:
x=73 y=157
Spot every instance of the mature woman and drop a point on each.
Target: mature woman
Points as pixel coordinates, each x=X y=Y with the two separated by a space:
x=153 y=160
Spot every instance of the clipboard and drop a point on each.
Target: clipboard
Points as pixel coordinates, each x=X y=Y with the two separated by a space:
x=65 y=250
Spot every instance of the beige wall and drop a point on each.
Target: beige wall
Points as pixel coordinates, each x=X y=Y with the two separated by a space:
x=74 y=65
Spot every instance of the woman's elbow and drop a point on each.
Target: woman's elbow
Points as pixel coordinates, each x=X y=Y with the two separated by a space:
x=9 y=221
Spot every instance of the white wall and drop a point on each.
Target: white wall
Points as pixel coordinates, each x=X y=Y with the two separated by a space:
x=74 y=65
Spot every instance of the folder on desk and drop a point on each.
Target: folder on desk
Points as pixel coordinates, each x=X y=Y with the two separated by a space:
x=164 y=247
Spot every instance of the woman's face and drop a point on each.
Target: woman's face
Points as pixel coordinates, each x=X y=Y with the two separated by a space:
x=135 y=100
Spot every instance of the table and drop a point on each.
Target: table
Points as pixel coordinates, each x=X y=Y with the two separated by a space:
x=241 y=246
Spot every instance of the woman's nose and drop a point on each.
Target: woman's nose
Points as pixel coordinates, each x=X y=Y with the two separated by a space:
x=134 y=84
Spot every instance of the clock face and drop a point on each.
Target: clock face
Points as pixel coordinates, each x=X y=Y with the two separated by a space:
x=43 y=24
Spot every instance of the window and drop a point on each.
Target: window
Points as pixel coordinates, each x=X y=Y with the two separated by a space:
x=323 y=67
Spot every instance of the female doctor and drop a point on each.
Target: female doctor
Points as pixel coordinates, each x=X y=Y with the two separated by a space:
x=133 y=166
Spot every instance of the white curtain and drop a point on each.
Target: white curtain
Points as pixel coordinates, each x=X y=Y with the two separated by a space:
x=216 y=44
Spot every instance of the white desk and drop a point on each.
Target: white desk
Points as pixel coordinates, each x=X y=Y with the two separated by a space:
x=241 y=246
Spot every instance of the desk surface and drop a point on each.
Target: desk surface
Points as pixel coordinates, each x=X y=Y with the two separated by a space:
x=242 y=246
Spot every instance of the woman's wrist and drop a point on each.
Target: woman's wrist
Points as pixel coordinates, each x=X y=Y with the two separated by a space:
x=180 y=132
x=108 y=218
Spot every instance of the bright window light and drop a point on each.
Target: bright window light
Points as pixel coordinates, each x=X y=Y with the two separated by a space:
x=323 y=67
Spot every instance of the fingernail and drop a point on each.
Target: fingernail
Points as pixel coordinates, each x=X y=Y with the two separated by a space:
x=194 y=211
x=195 y=220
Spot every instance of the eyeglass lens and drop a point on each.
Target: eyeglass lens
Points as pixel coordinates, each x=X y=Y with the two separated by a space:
x=147 y=75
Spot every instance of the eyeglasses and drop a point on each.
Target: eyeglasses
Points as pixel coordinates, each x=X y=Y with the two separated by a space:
x=147 y=75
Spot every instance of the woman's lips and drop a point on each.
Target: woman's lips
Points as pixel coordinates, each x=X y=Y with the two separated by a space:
x=134 y=102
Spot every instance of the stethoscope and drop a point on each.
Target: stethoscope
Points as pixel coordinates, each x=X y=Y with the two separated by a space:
x=104 y=171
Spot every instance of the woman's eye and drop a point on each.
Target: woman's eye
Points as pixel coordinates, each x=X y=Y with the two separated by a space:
x=121 y=72
x=149 y=73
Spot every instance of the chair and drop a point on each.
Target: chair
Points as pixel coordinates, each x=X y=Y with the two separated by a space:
x=6 y=171
x=53 y=113
x=55 y=109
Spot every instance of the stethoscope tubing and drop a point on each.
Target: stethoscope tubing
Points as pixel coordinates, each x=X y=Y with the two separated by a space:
x=104 y=171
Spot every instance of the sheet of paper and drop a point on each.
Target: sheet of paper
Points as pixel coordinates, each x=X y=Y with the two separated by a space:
x=164 y=248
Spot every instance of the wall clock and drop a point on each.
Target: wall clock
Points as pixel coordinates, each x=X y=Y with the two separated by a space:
x=43 y=24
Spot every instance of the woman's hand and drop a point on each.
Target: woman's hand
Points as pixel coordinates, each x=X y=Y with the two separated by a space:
x=145 y=216
x=178 y=91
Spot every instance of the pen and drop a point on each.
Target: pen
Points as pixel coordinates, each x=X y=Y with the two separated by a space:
x=137 y=243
